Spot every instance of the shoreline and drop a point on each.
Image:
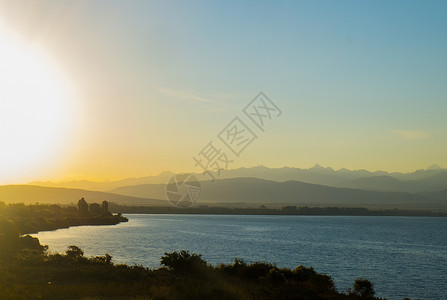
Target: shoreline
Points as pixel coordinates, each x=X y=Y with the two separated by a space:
x=94 y=221
x=283 y=211
x=31 y=219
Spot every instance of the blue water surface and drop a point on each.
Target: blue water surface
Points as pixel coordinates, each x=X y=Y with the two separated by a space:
x=402 y=256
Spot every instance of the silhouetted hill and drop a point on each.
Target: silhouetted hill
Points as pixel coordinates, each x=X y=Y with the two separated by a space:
x=441 y=195
x=254 y=190
x=378 y=183
x=106 y=185
x=436 y=181
x=29 y=194
x=433 y=179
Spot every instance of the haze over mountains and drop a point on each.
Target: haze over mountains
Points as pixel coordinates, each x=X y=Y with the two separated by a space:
x=106 y=185
x=317 y=186
x=432 y=179
x=244 y=191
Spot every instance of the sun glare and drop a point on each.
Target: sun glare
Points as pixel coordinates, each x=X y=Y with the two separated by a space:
x=36 y=109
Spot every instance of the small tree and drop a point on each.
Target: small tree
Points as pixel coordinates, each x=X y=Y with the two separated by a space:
x=106 y=259
x=363 y=287
x=9 y=238
x=183 y=261
x=74 y=252
x=32 y=243
x=83 y=207
x=105 y=208
x=95 y=209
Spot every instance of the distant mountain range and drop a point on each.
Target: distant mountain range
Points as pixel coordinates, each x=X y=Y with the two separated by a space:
x=432 y=179
x=259 y=191
x=316 y=186
x=105 y=185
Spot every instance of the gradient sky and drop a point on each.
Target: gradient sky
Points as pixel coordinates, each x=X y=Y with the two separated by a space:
x=361 y=84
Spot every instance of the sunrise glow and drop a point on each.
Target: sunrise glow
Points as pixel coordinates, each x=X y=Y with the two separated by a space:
x=36 y=107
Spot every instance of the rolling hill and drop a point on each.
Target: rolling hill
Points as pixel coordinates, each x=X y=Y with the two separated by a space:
x=260 y=191
x=30 y=194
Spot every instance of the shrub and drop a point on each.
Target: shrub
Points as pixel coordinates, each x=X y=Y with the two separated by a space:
x=9 y=238
x=363 y=287
x=106 y=259
x=183 y=261
x=255 y=270
x=74 y=252
x=275 y=276
x=31 y=243
x=95 y=209
x=302 y=273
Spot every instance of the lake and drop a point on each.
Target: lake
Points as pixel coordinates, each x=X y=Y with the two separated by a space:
x=402 y=256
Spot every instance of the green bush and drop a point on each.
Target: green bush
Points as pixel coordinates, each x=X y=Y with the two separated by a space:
x=363 y=287
x=183 y=261
x=74 y=252
x=255 y=270
x=302 y=273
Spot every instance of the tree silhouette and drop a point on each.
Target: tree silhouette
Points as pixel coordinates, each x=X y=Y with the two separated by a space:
x=363 y=287
x=9 y=237
x=74 y=252
x=83 y=208
x=105 y=208
x=183 y=261
x=95 y=209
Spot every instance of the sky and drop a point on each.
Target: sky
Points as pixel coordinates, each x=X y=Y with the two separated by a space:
x=103 y=90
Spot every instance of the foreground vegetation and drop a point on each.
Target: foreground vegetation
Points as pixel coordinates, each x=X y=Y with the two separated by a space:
x=36 y=274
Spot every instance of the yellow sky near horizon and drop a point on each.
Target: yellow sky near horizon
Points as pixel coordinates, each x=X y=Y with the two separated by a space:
x=107 y=90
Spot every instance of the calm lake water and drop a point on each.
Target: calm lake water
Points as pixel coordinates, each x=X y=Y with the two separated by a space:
x=402 y=256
